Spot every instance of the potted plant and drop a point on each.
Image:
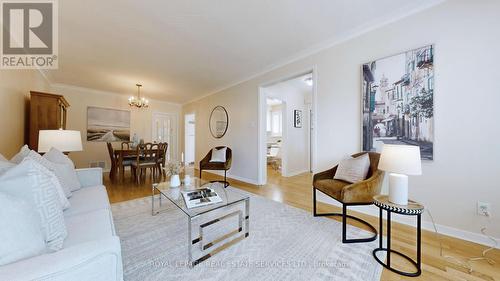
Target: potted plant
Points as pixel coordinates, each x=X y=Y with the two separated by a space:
x=173 y=169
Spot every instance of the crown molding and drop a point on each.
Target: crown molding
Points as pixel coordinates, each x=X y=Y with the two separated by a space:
x=357 y=32
x=102 y=92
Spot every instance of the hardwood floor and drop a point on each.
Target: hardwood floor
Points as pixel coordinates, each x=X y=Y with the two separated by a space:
x=296 y=191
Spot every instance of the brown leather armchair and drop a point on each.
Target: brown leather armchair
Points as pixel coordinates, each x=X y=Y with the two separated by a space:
x=350 y=194
x=205 y=163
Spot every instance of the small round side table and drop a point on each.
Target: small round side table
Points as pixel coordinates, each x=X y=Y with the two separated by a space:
x=412 y=209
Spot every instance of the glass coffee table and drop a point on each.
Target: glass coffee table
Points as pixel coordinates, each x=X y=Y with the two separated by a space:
x=229 y=198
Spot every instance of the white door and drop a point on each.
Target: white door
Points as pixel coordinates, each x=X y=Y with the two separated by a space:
x=165 y=130
x=189 y=139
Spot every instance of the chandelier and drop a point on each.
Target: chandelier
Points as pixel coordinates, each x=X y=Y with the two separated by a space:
x=138 y=101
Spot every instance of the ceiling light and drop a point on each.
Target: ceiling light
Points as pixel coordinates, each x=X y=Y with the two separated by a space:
x=138 y=101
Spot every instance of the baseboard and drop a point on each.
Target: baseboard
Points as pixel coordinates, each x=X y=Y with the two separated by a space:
x=295 y=173
x=410 y=221
x=234 y=177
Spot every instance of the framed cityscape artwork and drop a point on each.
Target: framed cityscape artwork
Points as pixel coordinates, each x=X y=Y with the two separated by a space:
x=398 y=101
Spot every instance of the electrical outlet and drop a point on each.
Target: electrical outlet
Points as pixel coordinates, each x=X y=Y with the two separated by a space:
x=483 y=209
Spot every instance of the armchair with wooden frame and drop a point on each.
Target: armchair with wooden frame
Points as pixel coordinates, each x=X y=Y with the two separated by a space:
x=205 y=163
x=350 y=194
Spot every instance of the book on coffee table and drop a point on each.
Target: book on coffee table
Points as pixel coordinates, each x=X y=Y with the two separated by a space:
x=200 y=197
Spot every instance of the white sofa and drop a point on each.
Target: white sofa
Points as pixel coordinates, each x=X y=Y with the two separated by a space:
x=91 y=250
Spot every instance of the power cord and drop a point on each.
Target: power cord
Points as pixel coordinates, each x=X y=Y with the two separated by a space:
x=467 y=264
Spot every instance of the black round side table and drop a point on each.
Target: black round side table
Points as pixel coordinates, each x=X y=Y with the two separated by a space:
x=412 y=209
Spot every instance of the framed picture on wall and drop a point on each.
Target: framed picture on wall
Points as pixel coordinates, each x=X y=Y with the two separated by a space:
x=297 y=118
x=398 y=101
x=107 y=125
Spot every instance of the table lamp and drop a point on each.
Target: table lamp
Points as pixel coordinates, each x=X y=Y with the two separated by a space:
x=400 y=161
x=62 y=140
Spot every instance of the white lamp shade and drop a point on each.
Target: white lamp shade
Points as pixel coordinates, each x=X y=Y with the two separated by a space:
x=401 y=159
x=62 y=140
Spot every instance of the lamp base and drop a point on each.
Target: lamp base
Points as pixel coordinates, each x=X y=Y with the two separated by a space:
x=398 y=189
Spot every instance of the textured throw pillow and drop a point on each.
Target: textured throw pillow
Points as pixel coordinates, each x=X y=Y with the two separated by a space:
x=46 y=167
x=20 y=155
x=353 y=170
x=20 y=230
x=218 y=155
x=70 y=181
x=59 y=170
x=27 y=182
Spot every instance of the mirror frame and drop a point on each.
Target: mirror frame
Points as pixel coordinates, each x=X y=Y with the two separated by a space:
x=210 y=122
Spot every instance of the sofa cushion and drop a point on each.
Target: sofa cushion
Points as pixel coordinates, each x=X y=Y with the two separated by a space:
x=45 y=166
x=88 y=227
x=71 y=181
x=331 y=187
x=60 y=170
x=88 y=199
x=27 y=182
x=20 y=155
x=20 y=230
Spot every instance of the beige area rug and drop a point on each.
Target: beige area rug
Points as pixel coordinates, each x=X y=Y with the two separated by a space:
x=285 y=243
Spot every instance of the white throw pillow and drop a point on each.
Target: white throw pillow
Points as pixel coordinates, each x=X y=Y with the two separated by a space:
x=46 y=167
x=353 y=170
x=61 y=171
x=27 y=182
x=70 y=181
x=20 y=230
x=3 y=159
x=20 y=155
x=5 y=165
x=218 y=155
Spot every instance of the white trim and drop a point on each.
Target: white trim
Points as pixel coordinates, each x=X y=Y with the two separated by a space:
x=320 y=47
x=410 y=221
x=295 y=173
x=101 y=92
x=231 y=176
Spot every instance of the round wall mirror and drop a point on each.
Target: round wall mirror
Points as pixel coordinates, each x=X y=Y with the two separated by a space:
x=219 y=121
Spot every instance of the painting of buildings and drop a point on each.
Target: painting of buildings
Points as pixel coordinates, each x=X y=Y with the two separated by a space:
x=398 y=105
x=107 y=125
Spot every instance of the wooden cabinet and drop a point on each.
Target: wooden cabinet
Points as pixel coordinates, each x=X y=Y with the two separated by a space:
x=46 y=112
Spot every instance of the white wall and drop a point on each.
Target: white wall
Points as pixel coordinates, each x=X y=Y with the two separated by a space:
x=466 y=146
x=295 y=148
x=81 y=98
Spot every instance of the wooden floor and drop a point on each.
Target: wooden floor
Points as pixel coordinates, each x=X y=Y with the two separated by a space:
x=297 y=191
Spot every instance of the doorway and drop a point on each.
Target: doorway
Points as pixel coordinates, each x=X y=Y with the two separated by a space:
x=189 y=139
x=295 y=145
x=165 y=129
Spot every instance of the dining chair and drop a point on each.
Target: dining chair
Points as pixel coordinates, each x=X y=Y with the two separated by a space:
x=146 y=158
x=163 y=156
x=112 y=172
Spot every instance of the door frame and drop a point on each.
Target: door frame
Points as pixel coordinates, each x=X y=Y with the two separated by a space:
x=185 y=136
x=175 y=153
x=262 y=107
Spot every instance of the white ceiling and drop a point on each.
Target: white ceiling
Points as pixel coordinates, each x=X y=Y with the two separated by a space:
x=183 y=49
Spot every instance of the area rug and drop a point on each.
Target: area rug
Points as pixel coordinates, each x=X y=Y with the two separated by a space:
x=285 y=243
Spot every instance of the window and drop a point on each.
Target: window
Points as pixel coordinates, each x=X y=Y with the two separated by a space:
x=276 y=123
